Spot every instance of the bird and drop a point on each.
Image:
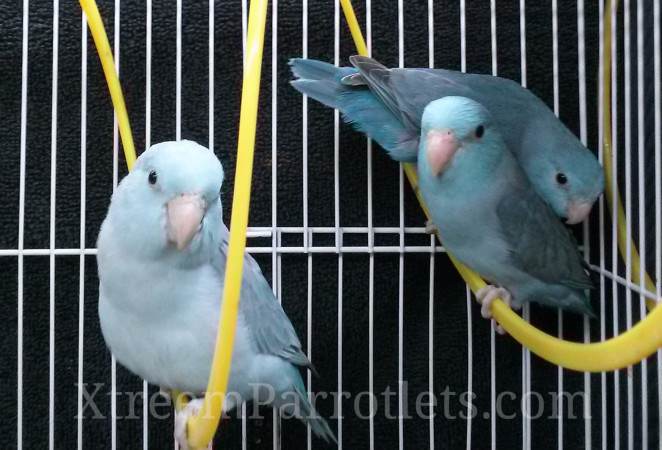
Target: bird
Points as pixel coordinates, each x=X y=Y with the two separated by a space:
x=162 y=251
x=488 y=215
x=387 y=105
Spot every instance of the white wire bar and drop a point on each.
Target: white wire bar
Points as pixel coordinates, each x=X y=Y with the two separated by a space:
x=51 y=238
x=21 y=226
x=275 y=242
x=526 y=355
x=468 y=299
x=493 y=415
x=614 y=221
x=658 y=192
x=178 y=73
x=401 y=262
x=148 y=141
x=628 y=210
x=336 y=222
x=555 y=74
x=432 y=259
x=371 y=262
x=581 y=75
x=113 y=362
x=601 y=224
x=81 y=264
x=641 y=211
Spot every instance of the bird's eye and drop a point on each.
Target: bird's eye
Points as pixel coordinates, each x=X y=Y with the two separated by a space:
x=561 y=178
x=152 y=178
x=480 y=130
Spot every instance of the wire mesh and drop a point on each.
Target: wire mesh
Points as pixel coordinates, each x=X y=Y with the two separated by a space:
x=336 y=231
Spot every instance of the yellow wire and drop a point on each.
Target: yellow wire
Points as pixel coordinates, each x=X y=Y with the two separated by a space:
x=114 y=86
x=202 y=427
x=629 y=348
x=612 y=190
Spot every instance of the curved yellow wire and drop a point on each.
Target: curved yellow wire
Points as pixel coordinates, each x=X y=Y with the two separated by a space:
x=201 y=428
x=114 y=87
x=629 y=348
x=610 y=189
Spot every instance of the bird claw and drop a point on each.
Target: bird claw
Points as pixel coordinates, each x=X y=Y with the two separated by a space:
x=181 y=420
x=430 y=228
x=486 y=296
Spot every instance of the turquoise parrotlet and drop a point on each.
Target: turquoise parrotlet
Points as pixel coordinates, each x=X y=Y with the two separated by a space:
x=387 y=105
x=488 y=215
x=162 y=253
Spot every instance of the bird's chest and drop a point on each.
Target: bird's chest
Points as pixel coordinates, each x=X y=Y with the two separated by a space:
x=160 y=322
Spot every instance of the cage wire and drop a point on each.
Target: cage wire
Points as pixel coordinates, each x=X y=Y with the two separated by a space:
x=333 y=226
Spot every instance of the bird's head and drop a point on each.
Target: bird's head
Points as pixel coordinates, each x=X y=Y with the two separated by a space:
x=171 y=199
x=570 y=177
x=451 y=126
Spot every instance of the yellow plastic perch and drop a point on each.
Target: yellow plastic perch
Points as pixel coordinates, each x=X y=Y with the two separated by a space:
x=201 y=428
x=629 y=348
x=114 y=87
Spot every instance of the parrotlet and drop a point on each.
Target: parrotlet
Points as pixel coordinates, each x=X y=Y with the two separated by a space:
x=162 y=253
x=387 y=105
x=489 y=216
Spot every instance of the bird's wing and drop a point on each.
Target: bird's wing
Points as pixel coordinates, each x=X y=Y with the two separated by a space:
x=406 y=92
x=268 y=325
x=540 y=244
x=376 y=76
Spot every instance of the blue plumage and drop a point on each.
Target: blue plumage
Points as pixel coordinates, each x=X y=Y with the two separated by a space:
x=387 y=104
x=162 y=252
x=360 y=107
x=488 y=215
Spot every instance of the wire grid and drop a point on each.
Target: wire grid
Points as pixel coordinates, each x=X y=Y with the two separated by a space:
x=614 y=275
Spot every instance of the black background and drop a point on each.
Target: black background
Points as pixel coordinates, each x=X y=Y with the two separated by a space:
x=450 y=310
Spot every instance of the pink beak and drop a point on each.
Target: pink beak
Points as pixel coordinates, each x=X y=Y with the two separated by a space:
x=184 y=216
x=578 y=211
x=441 y=147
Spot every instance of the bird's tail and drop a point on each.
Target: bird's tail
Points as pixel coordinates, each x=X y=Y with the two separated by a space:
x=583 y=306
x=573 y=300
x=333 y=86
x=320 y=80
x=306 y=412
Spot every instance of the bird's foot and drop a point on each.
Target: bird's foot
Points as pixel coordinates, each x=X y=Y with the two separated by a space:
x=181 y=420
x=430 y=228
x=486 y=296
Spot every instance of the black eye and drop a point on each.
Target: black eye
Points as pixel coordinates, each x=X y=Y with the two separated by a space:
x=152 y=177
x=561 y=178
x=480 y=130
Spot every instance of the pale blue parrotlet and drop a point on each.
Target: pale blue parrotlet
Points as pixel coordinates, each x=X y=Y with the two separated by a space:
x=162 y=253
x=387 y=105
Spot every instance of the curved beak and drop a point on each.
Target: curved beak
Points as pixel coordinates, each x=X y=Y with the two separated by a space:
x=440 y=149
x=184 y=218
x=577 y=211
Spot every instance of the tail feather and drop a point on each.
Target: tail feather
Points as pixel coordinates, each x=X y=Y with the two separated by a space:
x=320 y=80
x=327 y=93
x=334 y=87
x=302 y=409
x=311 y=69
x=311 y=417
x=568 y=299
